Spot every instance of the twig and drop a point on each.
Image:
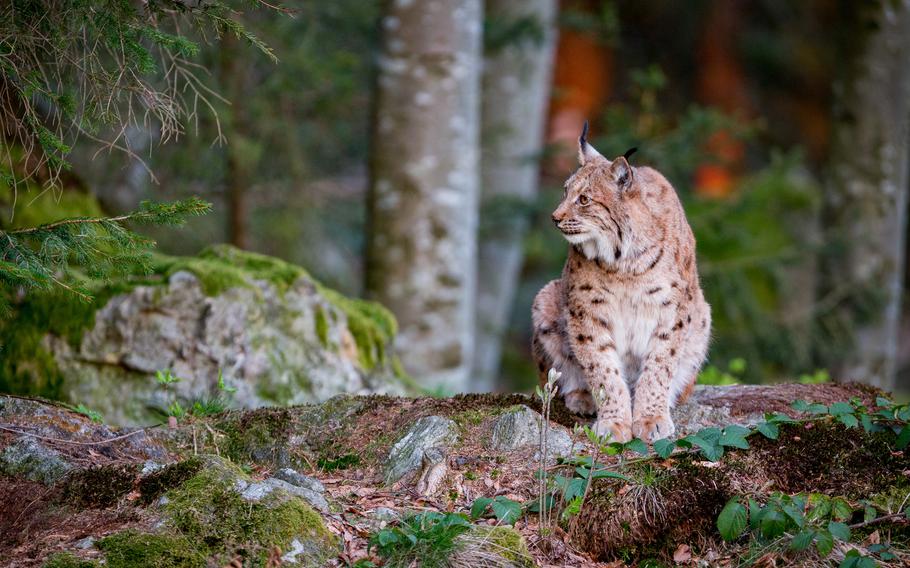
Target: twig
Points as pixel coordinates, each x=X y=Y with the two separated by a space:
x=892 y=517
x=108 y=441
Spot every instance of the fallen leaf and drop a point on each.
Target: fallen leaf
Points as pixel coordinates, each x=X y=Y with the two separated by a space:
x=683 y=554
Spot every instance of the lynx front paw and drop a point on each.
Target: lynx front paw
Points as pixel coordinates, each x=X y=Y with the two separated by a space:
x=618 y=430
x=650 y=428
x=580 y=402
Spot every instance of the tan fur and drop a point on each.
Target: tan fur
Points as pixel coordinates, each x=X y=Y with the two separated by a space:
x=627 y=321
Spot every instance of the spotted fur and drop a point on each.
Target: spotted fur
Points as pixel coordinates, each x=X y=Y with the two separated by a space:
x=628 y=319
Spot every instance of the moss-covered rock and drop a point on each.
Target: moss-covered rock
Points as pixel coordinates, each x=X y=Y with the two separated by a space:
x=277 y=336
x=68 y=560
x=132 y=549
x=213 y=510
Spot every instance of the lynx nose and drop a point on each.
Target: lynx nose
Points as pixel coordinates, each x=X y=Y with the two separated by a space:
x=556 y=218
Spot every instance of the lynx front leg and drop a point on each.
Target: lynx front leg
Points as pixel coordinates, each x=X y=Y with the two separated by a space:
x=651 y=418
x=597 y=357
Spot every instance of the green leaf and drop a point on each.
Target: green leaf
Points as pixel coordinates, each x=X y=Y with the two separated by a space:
x=479 y=508
x=755 y=513
x=882 y=401
x=802 y=540
x=506 y=510
x=637 y=446
x=773 y=524
x=840 y=531
x=664 y=447
x=840 y=408
x=869 y=513
x=848 y=420
x=768 y=430
x=795 y=514
x=824 y=542
x=841 y=509
x=605 y=473
x=903 y=438
x=735 y=436
x=732 y=520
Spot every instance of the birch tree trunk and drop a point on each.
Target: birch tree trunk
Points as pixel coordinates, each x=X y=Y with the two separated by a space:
x=867 y=194
x=516 y=90
x=422 y=250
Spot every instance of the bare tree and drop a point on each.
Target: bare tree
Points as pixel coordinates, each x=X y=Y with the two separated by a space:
x=516 y=89
x=866 y=199
x=421 y=258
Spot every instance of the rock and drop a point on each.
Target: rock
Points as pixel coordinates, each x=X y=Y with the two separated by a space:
x=293 y=477
x=276 y=335
x=85 y=543
x=386 y=514
x=28 y=458
x=519 y=427
x=406 y=455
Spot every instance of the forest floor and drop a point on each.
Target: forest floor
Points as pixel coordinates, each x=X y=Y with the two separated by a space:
x=241 y=487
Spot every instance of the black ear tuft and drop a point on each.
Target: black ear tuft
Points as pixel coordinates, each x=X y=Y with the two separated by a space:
x=629 y=152
x=583 y=139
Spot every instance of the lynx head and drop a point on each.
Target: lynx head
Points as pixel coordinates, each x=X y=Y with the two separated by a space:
x=602 y=213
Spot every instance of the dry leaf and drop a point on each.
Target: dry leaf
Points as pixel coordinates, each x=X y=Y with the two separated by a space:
x=683 y=554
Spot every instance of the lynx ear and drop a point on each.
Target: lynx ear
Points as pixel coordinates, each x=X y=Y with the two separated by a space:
x=586 y=152
x=621 y=172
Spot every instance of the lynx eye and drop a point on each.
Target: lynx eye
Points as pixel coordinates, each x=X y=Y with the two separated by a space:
x=583 y=199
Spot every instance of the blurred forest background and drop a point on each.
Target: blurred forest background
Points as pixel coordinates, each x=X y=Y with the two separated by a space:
x=782 y=125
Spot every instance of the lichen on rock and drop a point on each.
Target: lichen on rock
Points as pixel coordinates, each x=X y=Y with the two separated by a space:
x=406 y=455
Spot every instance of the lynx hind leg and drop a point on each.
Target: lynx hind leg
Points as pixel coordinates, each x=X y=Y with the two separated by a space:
x=551 y=350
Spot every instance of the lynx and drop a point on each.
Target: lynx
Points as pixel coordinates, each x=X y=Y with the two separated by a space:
x=627 y=325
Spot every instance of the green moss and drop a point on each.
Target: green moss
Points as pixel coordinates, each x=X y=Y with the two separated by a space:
x=505 y=542
x=67 y=560
x=322 y=327
x=259 y=436
x=372 y=326
x=134 y=549
x=209 y=511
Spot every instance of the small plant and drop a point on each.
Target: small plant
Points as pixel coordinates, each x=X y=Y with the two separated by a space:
x=506 y=510
x=92 y=415
x=799 y=520
x=546 y=395
x=428 y=538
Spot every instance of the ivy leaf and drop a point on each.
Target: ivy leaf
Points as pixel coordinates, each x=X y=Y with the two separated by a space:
x=479 y=508
x=840 y=531
x=506 y=510
x=732 y=520
x=768 y=430
x=840 y=408
x=664 y=447
x=735 y=436
x=903 y=438
x=802 y=540
x=824 y=542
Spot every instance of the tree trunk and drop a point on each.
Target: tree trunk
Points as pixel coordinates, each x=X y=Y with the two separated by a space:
x=516 y=90
x=422 y=251
x=867 y=193
x=237 y=172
